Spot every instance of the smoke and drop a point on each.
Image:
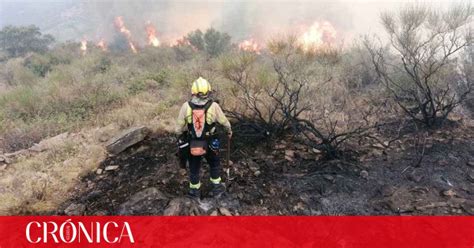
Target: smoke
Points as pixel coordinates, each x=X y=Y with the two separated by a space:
x=260 y=20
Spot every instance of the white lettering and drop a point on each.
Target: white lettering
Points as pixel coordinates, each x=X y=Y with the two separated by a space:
x=28 y=237
x=52 y=233
x=86 y=233
x=77 y=232
x=105 y=232
x=72 y=228
x=129 y=234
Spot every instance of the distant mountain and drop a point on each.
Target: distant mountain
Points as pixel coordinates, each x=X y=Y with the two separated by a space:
x=64 y=20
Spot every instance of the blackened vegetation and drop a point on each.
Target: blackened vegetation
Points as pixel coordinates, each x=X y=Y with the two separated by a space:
x=426 y=76
x=263 y=181
x=286 y=100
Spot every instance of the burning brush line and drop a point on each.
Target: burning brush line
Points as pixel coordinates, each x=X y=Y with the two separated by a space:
x=102 y=45
x=318 y=35
x=151 y=35
x=120 y=25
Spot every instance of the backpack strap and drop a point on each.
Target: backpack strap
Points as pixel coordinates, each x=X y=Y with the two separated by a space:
x=207 y=127
x=205 y=106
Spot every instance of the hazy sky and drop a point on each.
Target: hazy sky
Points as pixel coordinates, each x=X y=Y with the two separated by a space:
x=74 y=19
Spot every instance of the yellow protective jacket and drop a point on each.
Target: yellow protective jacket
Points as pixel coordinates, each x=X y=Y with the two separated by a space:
x=214 y=115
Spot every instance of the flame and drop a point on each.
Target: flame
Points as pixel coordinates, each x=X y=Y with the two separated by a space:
x=183 y=41
x=151 y=35
x=250 y=45
x=102 y=45
x=319 y=34
x=83 y=46
x=119 y=23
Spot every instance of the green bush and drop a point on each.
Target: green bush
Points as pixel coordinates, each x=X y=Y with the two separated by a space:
x=18 y=41
x=212 y=41
x=14 y=73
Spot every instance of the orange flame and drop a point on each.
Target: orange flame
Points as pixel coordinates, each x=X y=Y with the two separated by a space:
x=250 y=45
x=102 y=45
x=83 y=46
x=151 y=35
x=119 y=23
x=319 y=34
x=183 y=41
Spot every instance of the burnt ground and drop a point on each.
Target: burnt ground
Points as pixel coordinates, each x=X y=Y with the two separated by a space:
x=262 y=181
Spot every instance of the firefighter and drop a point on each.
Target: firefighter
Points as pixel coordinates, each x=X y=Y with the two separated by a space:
x=196 y=129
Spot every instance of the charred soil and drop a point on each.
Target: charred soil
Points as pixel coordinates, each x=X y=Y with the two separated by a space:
x=431 y=177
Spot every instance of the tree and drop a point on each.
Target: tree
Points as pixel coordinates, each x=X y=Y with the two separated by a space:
x=296 y=93
x=212 y=41
x=196 y=39
x=17 y=41
x=422 y=69
x=216 y=42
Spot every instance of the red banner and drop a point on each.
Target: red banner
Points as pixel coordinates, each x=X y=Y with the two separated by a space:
x=116 y=231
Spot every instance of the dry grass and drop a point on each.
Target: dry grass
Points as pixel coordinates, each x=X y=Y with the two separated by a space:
x=40 y=181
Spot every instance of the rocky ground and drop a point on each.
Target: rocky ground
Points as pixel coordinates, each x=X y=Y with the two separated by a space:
x=429 y=176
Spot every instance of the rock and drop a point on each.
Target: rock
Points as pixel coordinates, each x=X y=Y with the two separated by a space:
x=103 y=138
x=316 y=151
x=329 y=178
x=449 y=193
x=99 y=171
x=257 y=173
x=378 y=146
x=470 y=164
x=280 y=146
x=92 y=196
x=37 y=148
x=111 y=167
x=50 y=143
x=225 y=211
x=443 y=162
x=75 y=209
x=173 y=208
x=388 y=190
x=298 y=206
x=126 y=139
x=468 y=207
x=22 y=152
x=3 y=167
x=431 y=205
x=147 y=201
x=419 y=190
x=2 y=159
x=253 y=166
x=290 y=153
x=364 y=174
x=229 y=201
x=141 y=149
x=100 y=213
x=214 y=213
x=186 y=206
x=470 y=176
x=415 y=177
x=206 y=204
x=7 y=160
x=306 y=156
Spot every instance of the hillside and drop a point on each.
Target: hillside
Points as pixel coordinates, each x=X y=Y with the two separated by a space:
x=320 y=128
